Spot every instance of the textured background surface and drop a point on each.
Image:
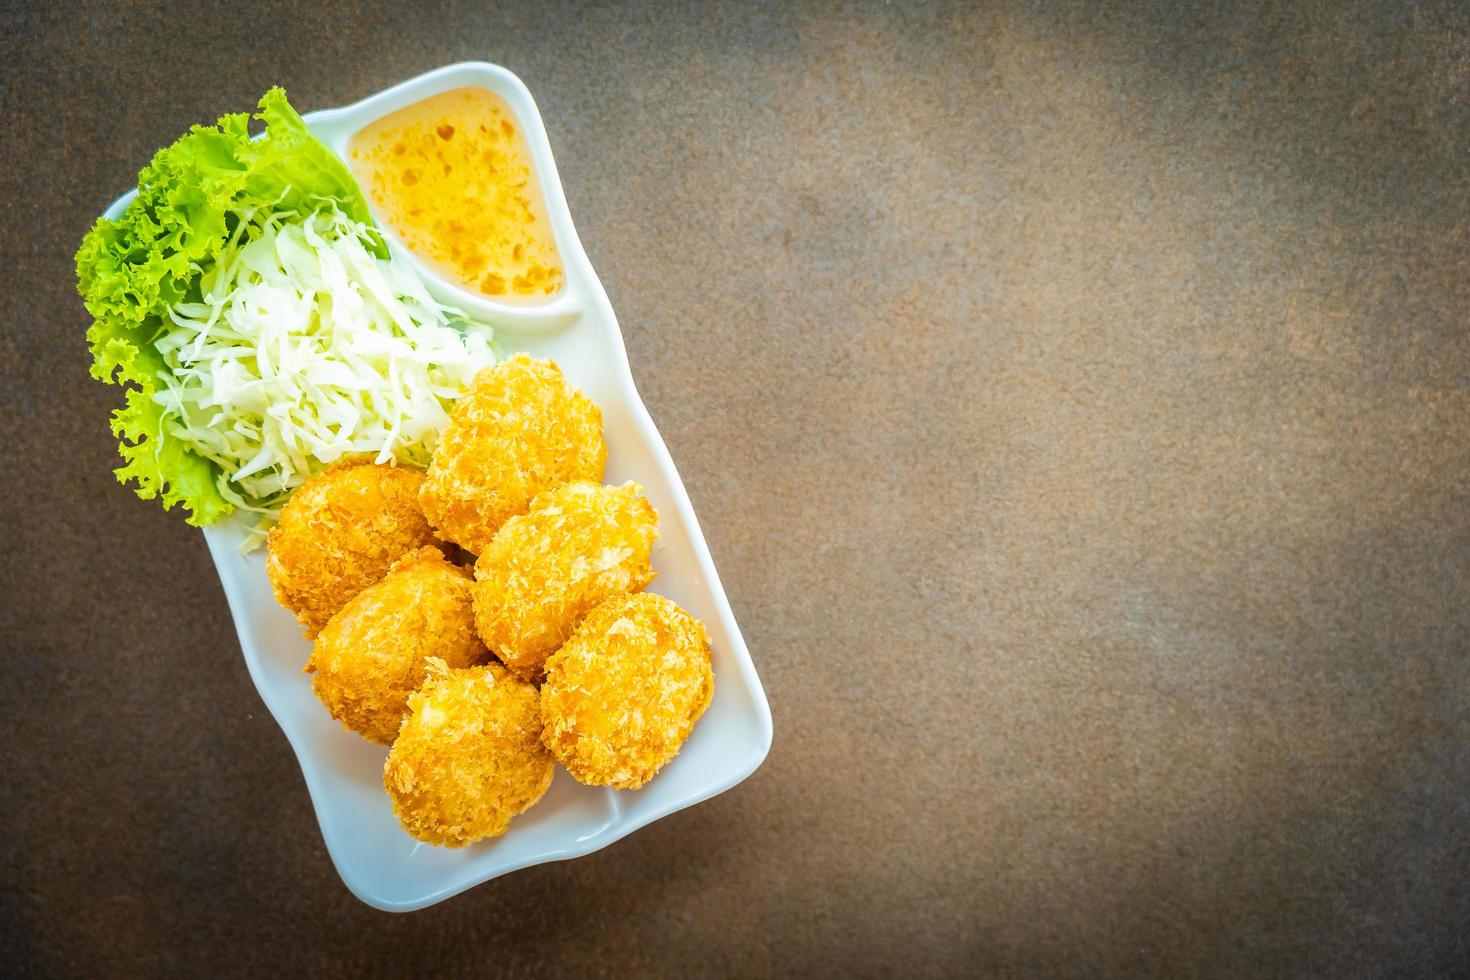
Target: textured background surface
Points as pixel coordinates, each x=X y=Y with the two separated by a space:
x=1075 y=403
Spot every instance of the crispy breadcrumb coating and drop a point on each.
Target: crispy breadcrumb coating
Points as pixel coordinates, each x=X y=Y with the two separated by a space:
x=518 y=429
x=467 y=758
x=339 y=533
x=373 y=654
x=576 y=546
x=623 y=693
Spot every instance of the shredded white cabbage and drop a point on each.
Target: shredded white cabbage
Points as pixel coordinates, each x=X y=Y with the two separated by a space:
x=307 y=347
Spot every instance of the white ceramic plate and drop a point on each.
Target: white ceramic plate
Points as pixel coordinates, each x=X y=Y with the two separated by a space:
x=380 y=863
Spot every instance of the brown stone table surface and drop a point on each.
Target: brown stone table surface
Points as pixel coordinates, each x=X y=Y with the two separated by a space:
x=1076 y=399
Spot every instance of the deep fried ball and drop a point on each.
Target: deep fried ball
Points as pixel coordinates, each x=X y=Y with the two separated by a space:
x=518 y=429
x=468 y=757
x=373 y=654
x=576 y=546
x=624 y=692
x=338 y=534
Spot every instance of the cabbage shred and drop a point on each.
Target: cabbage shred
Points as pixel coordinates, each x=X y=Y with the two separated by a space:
x=305 y=347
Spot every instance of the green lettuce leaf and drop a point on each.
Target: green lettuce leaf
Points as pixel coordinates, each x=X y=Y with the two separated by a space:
x=214 y=183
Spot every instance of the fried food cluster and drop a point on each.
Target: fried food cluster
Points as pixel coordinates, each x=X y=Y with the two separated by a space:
x=623 y=693
x=518 y=429
x=469 y=756
x=373 y=654
x=576 y=546
x=405 y=636
x=339 y=533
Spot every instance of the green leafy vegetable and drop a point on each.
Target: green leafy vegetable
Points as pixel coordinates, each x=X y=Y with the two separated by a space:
x=214 y=186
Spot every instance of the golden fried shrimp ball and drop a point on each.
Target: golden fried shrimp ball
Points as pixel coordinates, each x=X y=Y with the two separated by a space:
x=518 y=429
x=374 y=653
x=576 y=546
x=468 y=757
x=338 y=534
x=624 y=692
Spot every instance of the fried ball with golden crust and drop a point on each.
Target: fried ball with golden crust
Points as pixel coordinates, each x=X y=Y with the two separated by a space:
x=374 y=653
x=518 y=429
x=468 y=757
x=338 y=534
x=576 y=546
x=623 y=693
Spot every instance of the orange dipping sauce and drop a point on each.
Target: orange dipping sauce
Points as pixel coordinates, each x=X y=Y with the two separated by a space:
x=452 y=177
